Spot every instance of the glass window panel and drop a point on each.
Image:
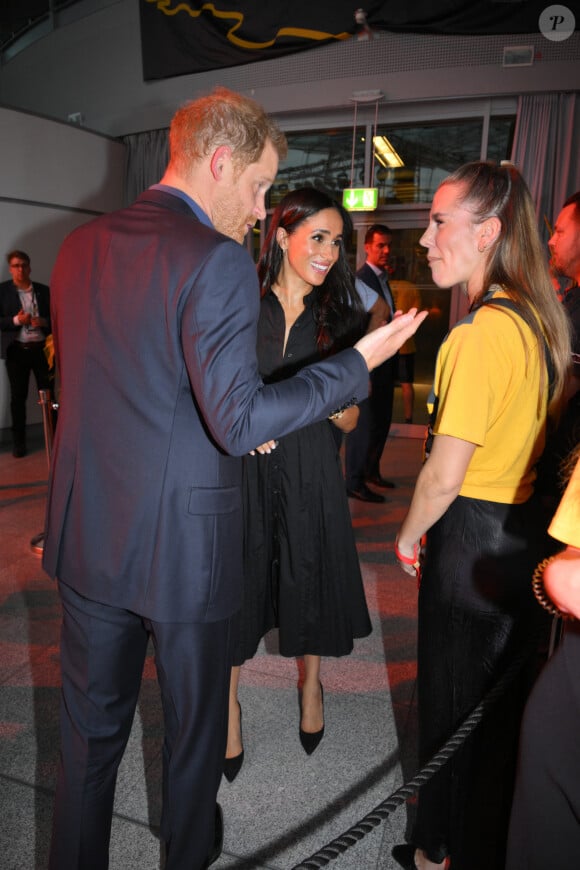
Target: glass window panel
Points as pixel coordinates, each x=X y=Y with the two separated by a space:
x=321 y=159
x=501 y=137
x=429 y=152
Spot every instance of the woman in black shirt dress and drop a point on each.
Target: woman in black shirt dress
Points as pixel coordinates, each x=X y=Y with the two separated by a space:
x=301 y=571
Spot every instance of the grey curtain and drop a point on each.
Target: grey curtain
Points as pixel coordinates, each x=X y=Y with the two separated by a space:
x=147 y=155
x=546 y=150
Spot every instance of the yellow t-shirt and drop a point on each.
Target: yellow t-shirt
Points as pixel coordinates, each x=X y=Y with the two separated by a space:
x=487 y=379
x=565 y=525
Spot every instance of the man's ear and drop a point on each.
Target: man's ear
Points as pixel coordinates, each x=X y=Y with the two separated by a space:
x=220 y=158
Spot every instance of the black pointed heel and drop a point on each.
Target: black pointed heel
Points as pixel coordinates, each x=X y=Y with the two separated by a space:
x=311 y=739
x=232 y=766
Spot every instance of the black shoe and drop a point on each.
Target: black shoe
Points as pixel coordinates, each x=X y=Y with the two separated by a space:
x=404 y=855
x=378 y=480
x=232 y=766
x=18 y=451
x=363 y=493
x=218 y=837
x=311 y=739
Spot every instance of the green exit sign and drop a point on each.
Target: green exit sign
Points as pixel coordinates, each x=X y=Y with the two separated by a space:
x=360 y=198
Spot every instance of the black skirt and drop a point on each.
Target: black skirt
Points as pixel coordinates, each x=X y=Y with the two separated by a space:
x=301 y=567
x=477 y=614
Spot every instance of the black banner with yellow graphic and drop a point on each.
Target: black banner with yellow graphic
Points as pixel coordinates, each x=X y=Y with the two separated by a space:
x=181 y=36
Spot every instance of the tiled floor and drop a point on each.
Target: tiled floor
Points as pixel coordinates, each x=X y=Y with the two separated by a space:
x=284 y=806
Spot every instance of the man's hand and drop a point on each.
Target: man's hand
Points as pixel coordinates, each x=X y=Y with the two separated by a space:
x=384 y=342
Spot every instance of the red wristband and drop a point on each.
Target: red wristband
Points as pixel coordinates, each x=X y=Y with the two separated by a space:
x=413 y=560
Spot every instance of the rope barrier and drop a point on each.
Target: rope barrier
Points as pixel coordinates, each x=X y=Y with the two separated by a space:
x=357 y=832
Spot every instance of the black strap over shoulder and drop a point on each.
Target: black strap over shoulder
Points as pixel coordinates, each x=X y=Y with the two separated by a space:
x=503 y=302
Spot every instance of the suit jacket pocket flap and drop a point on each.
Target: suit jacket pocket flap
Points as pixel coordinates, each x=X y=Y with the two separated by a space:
x=210 y=500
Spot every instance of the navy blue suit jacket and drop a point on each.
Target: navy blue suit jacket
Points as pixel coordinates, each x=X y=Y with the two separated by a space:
x=154 y=318
x=371 y=279
x=384 y=372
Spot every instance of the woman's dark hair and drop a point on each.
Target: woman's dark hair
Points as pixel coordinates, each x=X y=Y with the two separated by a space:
x=337 y=307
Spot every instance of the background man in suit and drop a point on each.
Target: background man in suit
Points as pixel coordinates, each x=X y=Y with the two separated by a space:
x=365 y=445
x=155 y=310
x=25 y=323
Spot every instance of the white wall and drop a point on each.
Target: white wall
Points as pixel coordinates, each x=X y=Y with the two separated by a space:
x=53 y=177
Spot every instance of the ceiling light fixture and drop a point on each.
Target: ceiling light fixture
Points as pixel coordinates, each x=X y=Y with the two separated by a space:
x=385 y=153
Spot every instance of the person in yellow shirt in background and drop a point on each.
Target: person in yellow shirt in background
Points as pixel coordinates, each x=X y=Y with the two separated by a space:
x=406 y=295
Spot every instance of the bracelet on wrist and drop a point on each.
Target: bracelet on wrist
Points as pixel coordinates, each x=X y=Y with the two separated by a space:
x=540 y=590
x=414 y=560
x=340 y=411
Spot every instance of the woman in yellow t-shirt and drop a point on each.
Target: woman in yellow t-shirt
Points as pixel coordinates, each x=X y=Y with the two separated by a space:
x=545 y=822
x=499 y=376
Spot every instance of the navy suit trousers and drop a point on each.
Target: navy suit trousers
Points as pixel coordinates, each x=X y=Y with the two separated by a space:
x=365 y=445
x=103 y=652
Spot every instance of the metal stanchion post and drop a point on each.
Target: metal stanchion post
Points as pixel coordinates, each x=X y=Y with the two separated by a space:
x=48 y=406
